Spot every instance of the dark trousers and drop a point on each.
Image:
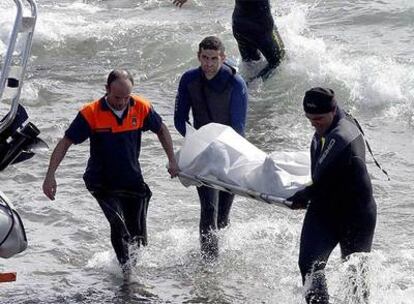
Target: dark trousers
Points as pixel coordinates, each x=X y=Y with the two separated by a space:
x=251 y=44
x=126 y=213
x=320 y=234
x=215 y=211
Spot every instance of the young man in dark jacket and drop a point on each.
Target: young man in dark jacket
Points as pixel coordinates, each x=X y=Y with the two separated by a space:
x=214 y=93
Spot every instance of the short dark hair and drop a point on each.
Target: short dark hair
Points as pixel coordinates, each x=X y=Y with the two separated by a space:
x=119 y=74
x=211 y=43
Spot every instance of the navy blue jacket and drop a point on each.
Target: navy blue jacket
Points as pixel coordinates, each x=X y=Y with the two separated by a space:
x=115 y=142
x=222 y=99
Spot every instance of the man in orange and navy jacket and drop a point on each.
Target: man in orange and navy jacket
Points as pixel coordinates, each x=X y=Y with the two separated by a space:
x=114 y=125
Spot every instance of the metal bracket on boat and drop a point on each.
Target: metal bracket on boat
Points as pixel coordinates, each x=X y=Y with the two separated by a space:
x=15 y=61
x=14 y=67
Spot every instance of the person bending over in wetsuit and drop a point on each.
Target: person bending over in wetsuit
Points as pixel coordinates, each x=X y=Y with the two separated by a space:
x=340 y=205
x=255 y=32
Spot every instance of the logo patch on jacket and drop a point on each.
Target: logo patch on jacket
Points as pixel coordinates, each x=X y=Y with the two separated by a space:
x=327 y=150
x=134 y=121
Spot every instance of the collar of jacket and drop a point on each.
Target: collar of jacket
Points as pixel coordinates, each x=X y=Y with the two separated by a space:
x=220 y=81
x=104 y=106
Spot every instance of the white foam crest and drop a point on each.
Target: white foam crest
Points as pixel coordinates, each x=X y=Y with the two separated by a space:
x=176 y=246
x=2 y=48
x=368 y=79
x=104 y=260
x=380 y=81
x=79 y=21
x=388 y=277
x=58 y=27
x=82 y=6
x=30 y=93
x=169 y=247
x=398 y=4
x=391 y=278
x=7 y=5
x=263 y=250
x=7 y=15
x=260 y=230
x=150 y=4
x=4 y=36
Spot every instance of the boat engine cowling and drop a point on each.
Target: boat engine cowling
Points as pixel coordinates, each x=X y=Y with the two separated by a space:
x=17 y=140
x=12 y=234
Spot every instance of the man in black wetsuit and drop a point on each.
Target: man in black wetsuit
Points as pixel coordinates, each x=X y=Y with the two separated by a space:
x=255 y=32
x=340 y=205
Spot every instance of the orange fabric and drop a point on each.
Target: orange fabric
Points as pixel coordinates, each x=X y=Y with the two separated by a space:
x=100 y=120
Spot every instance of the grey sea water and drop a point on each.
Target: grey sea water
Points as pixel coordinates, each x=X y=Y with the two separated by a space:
x=362 y=49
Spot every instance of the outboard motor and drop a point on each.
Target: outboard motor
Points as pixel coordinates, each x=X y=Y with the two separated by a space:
x=18 y=138
x=17 y=144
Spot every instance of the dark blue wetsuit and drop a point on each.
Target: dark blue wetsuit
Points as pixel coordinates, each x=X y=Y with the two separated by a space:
x=342 y=209
x=113 y=174
x=222 y=99
x=255 y=31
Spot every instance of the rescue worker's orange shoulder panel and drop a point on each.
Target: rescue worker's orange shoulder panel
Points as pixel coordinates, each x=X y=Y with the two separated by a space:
x=88 y=111
x=141 y=106
x=104 y=120
x=96 y=117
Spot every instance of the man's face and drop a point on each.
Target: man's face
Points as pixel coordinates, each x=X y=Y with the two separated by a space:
x=321 y=122
x=118 y=93
x=211 y=61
